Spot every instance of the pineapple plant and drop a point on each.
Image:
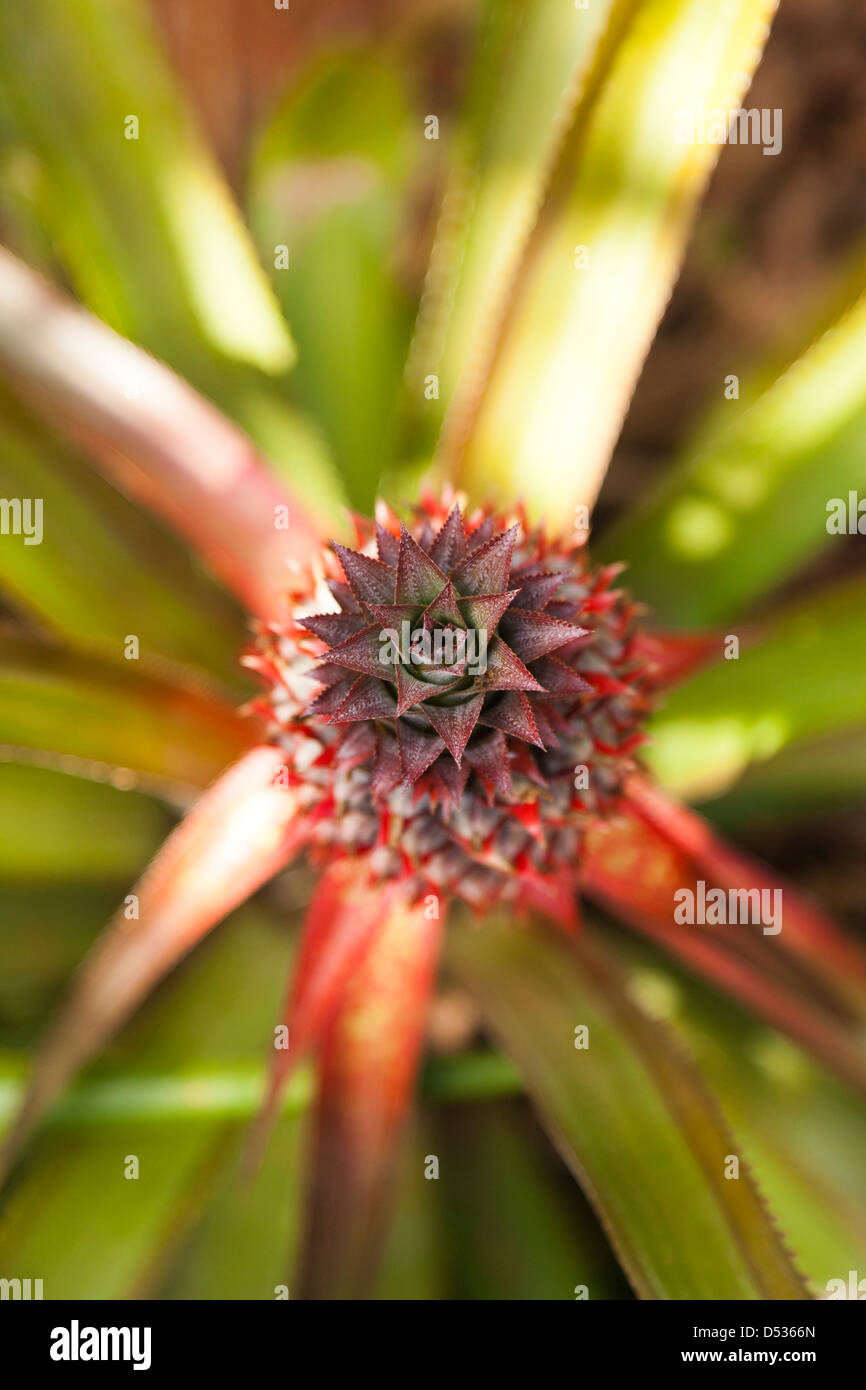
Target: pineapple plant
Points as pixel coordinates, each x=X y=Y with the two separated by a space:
x=471 y=733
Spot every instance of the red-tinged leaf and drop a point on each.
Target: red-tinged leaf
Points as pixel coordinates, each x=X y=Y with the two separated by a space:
x=443 y=608
x=543 y=725
x=87 y=715
x=550 y=895
x=670 y=657
x=368 y=1065
x=344 y=596
x=483 y=611
x=806 y=930
x=558 y=679
x=418 y=750
x=388 y=546
x=156 y=439
x=241 y=832
x=329 y=700
x=634 y=869
x=489 y=757
x=340 y=924
x=411 y=691
x=393 y=615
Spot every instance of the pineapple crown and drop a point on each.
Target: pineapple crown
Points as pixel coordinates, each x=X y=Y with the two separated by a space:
x=470 y=700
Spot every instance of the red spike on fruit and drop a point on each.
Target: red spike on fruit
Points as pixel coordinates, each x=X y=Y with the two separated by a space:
x=449 y=547
x=454 y=724
x=419 y=579
x=370 y=580
x=512 y=713
x=532 y=635
x=364 y=652
x=333 y=628
x=417 y=750
x=487 y=568
x=367 y=699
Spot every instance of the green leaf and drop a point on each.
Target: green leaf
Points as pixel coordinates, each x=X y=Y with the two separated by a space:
x=412 y=1265
x=508 y=1228
x=748 y=502
x=60 y=829
x=139 y=213
x=156 y=438
x=598 y=273
x=802 y=1131
x=328 y=186
x=243 y=1245
x=91 y=1232
x=531 y=71
x=46 y=931
x=629 y=1115
x=103 y=567
x=146 y=228
x=802 y=681
x=808 y=777
x=97 y=718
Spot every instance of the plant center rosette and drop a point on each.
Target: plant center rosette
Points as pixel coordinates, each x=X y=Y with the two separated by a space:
x=470 y=700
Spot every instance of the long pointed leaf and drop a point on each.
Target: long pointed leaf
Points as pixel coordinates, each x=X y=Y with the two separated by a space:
x=141 y=215
x=797 y=682
x=533 y=69
x=630 y=1116
x=597 y=275
x=331 y=188
x=104 y=568
x=76 y=1215
x=368 y=1066
x=802 y=1131
x=56 y=829
x=156 y=438
x=237 y=836
x=634 y=867
x=815 y=775
x=341 y=921
x=747 y=503
x=80 y=714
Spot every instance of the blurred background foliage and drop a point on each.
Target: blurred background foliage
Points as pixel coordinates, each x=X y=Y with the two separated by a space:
x=309 y=134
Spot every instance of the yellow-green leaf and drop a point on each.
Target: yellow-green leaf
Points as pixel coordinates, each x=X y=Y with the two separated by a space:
x=598 y=273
